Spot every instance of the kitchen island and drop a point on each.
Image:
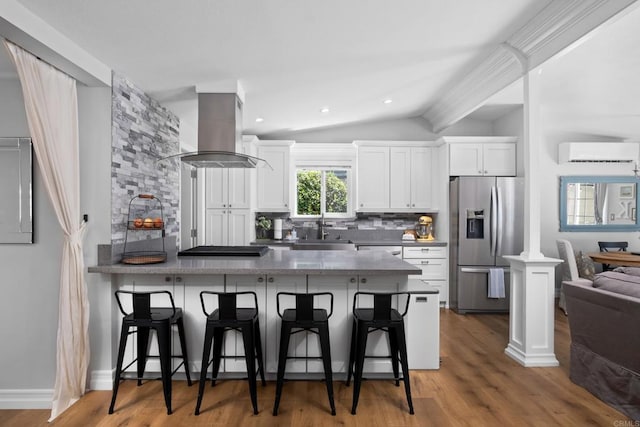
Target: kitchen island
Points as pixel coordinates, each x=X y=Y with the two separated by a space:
x=342 y=273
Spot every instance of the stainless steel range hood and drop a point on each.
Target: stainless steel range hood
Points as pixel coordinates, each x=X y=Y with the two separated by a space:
x=219 y=130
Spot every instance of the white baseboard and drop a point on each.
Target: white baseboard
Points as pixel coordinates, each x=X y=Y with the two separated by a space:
x=101 y=380
x=26 y=399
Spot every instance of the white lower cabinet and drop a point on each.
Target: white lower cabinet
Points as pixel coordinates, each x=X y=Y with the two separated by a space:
x=422 y=326
x=378 y=341
x=297 y=343
x=433 y=260
x=186 y=293
x=234 y=344
x=145 y=284
x=189 y=288
x=339 y=323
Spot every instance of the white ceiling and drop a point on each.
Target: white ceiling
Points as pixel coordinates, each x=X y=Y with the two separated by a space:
x=295 y=57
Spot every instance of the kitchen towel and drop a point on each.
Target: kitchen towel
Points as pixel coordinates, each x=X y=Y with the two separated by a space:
x=496 y=283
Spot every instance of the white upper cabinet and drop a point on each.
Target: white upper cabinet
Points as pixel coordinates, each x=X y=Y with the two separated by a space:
x=395 y=176
x=373 y=177
x=499 y=159
x=424 y=175
x=273 y=183
x=479 y=156
x=400 y=177
x=412 y=178
x=227 y=188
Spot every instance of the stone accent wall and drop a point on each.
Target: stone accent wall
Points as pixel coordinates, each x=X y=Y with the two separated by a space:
x=143 y=132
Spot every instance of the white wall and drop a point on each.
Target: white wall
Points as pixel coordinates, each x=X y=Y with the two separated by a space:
x=556 y=132
x=30 y=280
x=30 y=277
x=95 y=172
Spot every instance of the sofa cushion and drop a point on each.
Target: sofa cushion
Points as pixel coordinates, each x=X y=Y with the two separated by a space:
x=586 y=267
x=634 y=271
x=617 y=282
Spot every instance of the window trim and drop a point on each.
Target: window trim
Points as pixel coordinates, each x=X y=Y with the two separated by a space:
x=324 y=166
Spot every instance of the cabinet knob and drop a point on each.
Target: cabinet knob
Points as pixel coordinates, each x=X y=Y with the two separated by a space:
x=178 y=279
x=480 y=172
x=270 y=279
x=224 y=206
x=424 y=262
x=352 y=280
x=260 y=279
x=285 y=205
x=485 y=172
x=408 y=205
x=361 y=205
x=425 y=249
x=413 y=205
x=229 y=204
x=167 y=279
x=363 y=280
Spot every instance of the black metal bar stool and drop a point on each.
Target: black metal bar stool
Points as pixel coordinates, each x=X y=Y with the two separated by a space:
x=228 y=316
x=304 y=317
x=385 y=318
x=145 y=318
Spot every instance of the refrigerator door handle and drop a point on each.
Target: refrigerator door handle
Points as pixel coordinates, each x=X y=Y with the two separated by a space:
x=493 y=221
x=499 y=221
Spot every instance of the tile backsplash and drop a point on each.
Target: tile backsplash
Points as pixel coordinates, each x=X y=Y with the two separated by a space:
x=364 y=226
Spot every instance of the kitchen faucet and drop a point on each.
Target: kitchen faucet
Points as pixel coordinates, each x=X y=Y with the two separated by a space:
x=321 y=228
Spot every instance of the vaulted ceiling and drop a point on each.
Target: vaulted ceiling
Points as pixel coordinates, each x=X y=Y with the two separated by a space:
x=295 y=58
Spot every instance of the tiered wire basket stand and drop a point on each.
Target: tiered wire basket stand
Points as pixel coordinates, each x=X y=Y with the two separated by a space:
x=145 y=216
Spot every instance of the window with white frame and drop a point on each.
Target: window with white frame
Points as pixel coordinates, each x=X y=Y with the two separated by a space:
x=323 y=190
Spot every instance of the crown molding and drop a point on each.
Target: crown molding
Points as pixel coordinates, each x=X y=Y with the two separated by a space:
x=553 y=29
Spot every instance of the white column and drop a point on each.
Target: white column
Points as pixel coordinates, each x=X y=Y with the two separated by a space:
x=531 y=141
x=531 y=317
x=531 y=320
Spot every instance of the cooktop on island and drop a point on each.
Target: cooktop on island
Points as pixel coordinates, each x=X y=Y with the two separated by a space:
x=225 y=251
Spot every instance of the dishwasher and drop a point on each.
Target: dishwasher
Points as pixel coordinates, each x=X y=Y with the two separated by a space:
x=422 y=322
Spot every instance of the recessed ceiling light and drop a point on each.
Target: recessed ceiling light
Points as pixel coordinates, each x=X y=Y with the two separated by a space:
x=259 y=119
x=388 y=101
x=324 y=110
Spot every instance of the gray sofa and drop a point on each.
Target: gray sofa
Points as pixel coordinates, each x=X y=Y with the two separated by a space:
x=604 y=318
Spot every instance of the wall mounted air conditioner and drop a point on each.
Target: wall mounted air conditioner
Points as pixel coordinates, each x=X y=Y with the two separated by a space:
x=598 y=152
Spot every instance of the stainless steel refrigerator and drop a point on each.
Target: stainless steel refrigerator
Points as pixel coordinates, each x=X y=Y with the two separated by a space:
x=486 y=222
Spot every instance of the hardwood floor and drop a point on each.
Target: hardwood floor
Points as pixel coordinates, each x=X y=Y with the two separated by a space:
x=477 y=385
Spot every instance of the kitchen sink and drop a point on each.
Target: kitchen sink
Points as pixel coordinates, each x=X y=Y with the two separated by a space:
x=338 y=241
x=324 y=245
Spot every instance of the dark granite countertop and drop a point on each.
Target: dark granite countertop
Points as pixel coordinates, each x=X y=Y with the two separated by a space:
x=275 y=262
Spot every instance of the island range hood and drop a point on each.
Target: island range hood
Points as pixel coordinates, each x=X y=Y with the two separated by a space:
x=219 y=130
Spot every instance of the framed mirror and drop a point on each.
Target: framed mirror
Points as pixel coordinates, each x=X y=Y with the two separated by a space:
x=16 y=222
x=599 y=203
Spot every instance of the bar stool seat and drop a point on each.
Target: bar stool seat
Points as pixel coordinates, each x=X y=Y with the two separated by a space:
x=230 y=317
x=304 y=317
x=144 y=318
x=385 y=318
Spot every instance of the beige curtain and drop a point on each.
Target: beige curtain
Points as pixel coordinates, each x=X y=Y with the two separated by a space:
x=51 y=103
